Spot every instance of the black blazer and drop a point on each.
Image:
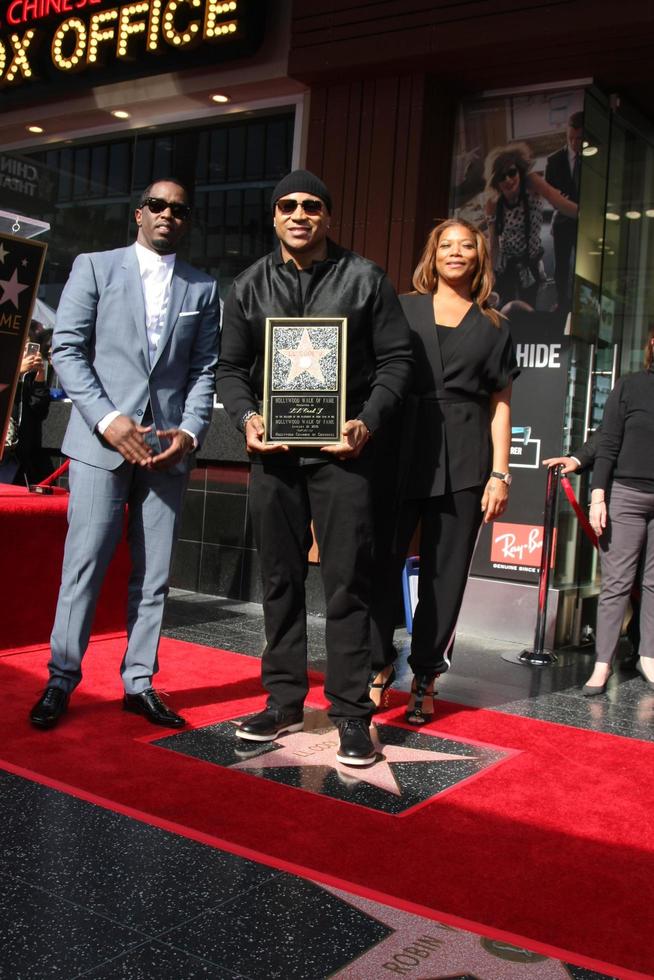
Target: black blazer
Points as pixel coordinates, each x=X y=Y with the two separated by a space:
x=558 y=174
x=446 y=441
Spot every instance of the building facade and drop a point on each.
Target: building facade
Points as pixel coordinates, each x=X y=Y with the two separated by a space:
x=402 y=108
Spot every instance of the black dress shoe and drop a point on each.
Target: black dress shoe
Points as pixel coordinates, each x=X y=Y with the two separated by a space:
x=49 y=708
x=356 y=748
x=150 y=705
x=271 y=722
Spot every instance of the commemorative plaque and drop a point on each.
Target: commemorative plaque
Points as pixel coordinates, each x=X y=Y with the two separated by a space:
x=304 y=380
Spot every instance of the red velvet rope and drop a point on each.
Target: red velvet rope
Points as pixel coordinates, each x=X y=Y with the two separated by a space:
x=577 y=508
x=54 y=476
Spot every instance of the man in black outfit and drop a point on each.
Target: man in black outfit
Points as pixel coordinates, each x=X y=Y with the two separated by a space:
x=309 y=275
x=563 y=171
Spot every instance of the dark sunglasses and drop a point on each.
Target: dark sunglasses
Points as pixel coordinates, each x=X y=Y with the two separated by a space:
x=289 y=205
x=157 y=205
x=511 y=172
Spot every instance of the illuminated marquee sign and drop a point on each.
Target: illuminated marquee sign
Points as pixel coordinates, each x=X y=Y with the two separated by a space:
x=50 y=40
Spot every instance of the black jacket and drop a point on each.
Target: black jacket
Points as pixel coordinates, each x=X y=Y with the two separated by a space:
x=558 y=174
x=344 y=284
x=446 y=443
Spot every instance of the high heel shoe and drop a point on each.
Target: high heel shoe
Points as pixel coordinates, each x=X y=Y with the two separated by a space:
x=590 y=690
x=639 y=668
x=378 y=685
x=421 y=690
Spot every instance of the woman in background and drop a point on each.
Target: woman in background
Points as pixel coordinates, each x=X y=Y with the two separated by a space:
x=515 y=214
x=622 y=515
x=457 y=430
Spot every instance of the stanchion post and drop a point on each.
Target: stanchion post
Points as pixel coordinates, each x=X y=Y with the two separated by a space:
x=539 y=656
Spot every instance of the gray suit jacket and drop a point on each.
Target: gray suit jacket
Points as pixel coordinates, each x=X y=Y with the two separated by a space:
x=100 y=352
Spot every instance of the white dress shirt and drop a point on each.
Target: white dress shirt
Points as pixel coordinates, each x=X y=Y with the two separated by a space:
x=156 y=277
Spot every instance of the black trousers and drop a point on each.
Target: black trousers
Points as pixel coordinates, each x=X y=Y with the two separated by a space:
x=449 y=528
x=283 y=501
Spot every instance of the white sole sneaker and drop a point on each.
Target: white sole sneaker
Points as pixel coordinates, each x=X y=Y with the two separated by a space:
x=349 y=761
x=297 y=727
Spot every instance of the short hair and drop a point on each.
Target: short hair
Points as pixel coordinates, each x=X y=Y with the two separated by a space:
x=164 y=180
x=425 y=278
x=501 y=158
x=576 y=120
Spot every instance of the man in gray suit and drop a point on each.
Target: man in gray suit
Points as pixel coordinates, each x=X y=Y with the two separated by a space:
x=135 y=346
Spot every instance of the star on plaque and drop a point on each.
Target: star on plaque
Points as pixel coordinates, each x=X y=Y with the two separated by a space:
x=3 y=252
x=11 y=288
x=305 y=357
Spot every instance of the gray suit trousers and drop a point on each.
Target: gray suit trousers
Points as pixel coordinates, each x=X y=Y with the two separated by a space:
x=630 y=526
x=95 y=523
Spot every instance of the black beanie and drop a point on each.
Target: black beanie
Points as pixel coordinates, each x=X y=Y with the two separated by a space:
x=305 y=182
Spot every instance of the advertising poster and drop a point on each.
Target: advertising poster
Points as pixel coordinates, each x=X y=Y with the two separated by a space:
x=516 y=174
x=21 y=264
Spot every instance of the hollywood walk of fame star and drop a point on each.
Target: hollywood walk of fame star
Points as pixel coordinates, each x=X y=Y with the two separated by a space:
x=3 y=252
x=11 y=288
x=305 y=357
x=445 y=950
x=313 y=749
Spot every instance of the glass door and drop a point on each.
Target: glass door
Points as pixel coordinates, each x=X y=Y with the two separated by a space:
x=613 y=302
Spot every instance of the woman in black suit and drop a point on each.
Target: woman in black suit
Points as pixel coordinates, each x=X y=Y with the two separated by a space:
x=455 y=448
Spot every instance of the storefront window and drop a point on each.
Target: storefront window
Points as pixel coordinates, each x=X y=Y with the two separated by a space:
x=87 y=192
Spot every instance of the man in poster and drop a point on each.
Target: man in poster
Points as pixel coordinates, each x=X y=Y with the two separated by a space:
x=307 y=275
x=563 y=172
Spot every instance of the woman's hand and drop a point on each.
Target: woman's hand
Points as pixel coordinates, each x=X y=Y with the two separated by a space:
x=567 y=463
x=30 y=363
x=597 y=512
x=494 y=500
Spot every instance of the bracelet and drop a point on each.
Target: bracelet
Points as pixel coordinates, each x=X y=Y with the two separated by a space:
x=245 y=418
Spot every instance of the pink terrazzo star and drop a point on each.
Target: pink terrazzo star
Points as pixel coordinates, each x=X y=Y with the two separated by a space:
x=308 y=749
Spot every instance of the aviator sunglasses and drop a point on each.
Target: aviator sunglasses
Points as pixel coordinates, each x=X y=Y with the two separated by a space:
x=157 y=204
x=289 y=205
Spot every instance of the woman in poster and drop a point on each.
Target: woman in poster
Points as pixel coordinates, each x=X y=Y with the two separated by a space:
x=457 y=429
x=514 y=211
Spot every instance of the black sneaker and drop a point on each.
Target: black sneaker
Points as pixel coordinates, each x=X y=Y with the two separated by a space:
x=271 y=722
x=356 y=748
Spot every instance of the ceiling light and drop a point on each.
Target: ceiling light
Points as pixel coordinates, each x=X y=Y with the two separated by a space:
x=590 y=151
x=632 y=215
x=220 y=98
x=35 y=129
x=594 y=253
x=650 y=212
x=612 y=216
x=120 y=113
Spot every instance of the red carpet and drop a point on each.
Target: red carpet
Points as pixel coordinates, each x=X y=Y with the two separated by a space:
x=553 y=845
x=32 y=532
